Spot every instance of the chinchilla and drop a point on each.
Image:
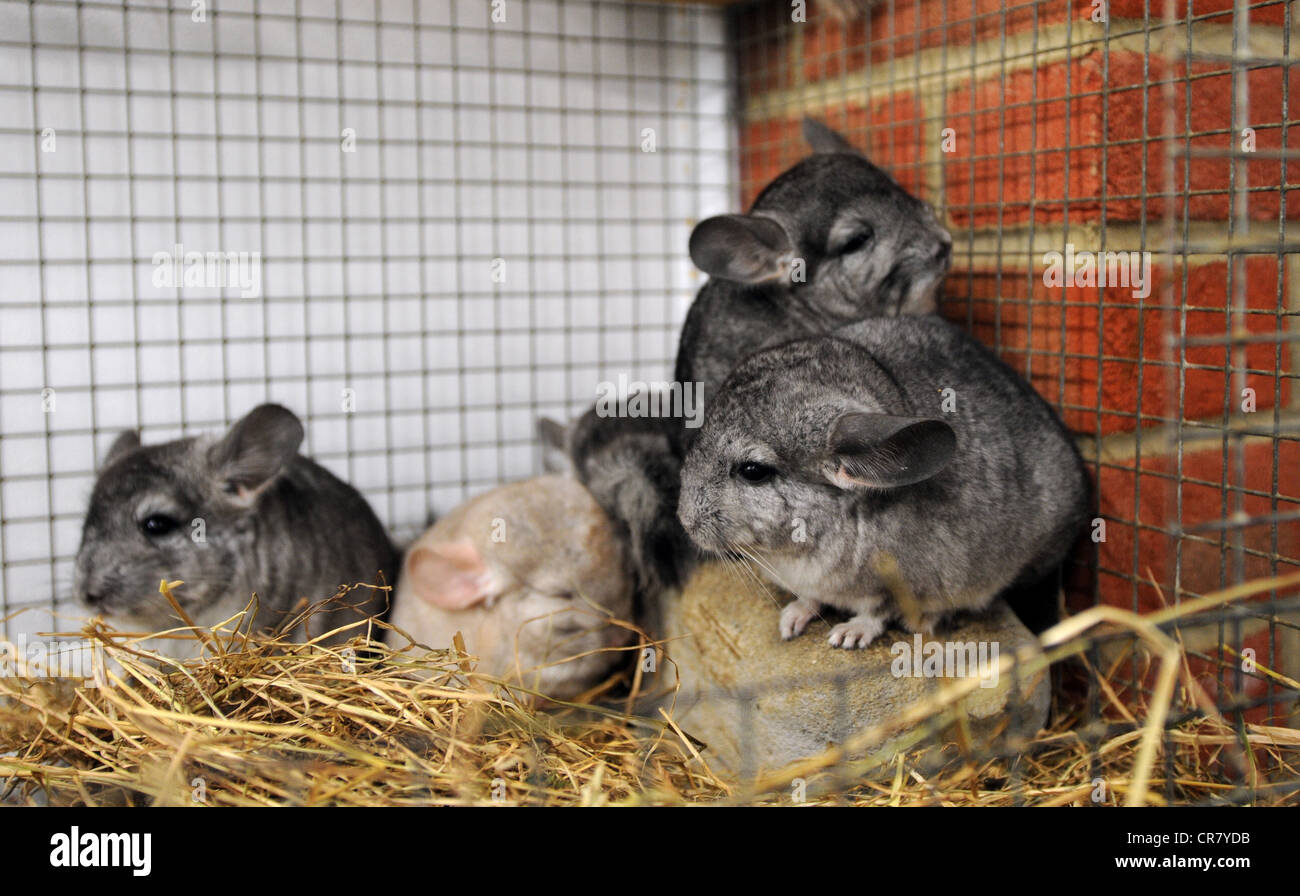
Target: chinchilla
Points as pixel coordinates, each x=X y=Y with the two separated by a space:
x=867 y=248
x=231 y=517
x=830 y=241
x=896 y=469
x=631 y=468
x=533 y=576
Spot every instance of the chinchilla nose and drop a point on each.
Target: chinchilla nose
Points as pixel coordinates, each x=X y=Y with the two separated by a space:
x=93 y=589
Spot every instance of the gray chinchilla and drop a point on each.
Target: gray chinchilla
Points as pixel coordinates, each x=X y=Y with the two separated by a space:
x=229 y=516
x=632 y=470
x=868 y=248
x=830 y=241
x=894 y=470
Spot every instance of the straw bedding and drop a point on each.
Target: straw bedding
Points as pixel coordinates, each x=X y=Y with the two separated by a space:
x=261 y=720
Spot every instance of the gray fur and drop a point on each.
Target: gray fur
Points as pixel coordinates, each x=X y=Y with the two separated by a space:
x=823 y=139
x=967 y=504
x=812 y=211
x=870 y=249
x=277 y=524
x=631 y=468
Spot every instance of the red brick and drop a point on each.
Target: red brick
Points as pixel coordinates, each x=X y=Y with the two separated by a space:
x=772 y=49
x=832 y=49
x=889 y=130
x=1137 y=562
x=1203 y=567
x=1016 y=135
x=892 y=32
x=767 y=148
x=1013 y=152
x=892 y=131
x=1264 y=13
x=1042 y=331
x=1208 y=179
x=774 y=52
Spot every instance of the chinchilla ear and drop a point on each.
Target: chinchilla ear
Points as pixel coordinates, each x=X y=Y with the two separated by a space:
x=126 y=442
x=743 y=248
x=450 y=575
x=823 y=139
x=883 y=451
x=555 y=446
x=256 y=449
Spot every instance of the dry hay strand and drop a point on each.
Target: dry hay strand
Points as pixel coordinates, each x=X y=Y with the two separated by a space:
x=261 y=720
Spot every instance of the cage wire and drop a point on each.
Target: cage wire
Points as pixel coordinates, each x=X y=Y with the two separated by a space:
x=1113 y=127
x=458 y=231
x=1149 y=128
x=1255 y=533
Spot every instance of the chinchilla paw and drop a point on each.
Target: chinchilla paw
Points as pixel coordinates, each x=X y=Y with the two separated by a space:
x=795 y=618
x=857 y=632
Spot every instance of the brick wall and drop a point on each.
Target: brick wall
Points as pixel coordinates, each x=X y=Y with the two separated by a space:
x=1058 y=127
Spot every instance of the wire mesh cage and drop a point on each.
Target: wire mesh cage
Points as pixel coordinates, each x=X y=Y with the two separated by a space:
x=1054 y=136
x=449 y=227
x=446 y=219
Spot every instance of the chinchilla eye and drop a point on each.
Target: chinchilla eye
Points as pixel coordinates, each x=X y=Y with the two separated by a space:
x=863 y=235
x=754 y=472
x=157 y=524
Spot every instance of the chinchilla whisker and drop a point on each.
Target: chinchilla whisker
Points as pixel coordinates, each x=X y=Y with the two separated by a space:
x=749 y=555
x=739 y=570
x=752 y=556
x=738 y=560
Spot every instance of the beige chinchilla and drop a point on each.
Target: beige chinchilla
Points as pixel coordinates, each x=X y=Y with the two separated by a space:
x=534 y=578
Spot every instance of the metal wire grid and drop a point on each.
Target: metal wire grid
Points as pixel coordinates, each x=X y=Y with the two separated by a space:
x=477 y=140
x=593 y=299
x=1249 y=542
x=822 y=68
